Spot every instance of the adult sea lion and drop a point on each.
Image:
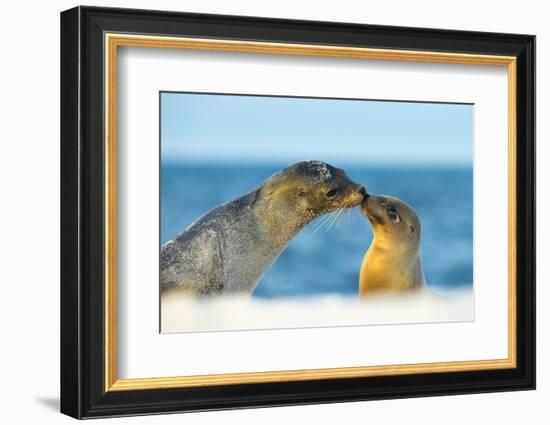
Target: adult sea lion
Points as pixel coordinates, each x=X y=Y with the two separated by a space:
x=228 y=249
x=392 y=262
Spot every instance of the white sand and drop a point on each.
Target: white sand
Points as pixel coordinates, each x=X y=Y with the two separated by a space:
x=184 y=314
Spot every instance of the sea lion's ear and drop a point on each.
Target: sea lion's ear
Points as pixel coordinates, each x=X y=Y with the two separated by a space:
x=411 y=232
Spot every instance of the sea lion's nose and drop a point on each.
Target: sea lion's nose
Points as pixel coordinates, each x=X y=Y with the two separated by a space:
x=363 y=191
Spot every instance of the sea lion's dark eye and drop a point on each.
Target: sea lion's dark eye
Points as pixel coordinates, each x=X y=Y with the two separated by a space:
x=332 y=192
x=392 y=211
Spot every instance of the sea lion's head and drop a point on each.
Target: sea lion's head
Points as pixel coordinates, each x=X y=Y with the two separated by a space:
x=393 y=221
x=307 y=190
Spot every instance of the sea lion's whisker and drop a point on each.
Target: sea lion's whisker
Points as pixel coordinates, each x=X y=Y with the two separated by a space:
x=326 y=220
x=333 y=217
x=321 y=222
x=338 y=212
x=338 y=216
x=342 y=217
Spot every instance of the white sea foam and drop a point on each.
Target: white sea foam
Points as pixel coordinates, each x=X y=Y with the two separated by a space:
x=181 y=313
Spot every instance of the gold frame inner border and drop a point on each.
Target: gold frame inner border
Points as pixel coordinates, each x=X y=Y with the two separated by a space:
x=113 y=41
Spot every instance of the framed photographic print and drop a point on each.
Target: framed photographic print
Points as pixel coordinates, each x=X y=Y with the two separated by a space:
x=261 y=212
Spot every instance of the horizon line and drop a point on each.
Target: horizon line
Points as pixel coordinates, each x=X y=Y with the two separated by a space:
x=262 y=162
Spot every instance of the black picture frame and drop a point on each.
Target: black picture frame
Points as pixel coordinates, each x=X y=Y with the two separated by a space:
x=83 y=392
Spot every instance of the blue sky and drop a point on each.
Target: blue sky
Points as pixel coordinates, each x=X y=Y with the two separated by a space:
x=210 y=128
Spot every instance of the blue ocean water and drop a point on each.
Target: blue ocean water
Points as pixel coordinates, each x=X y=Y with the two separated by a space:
x=328 y=260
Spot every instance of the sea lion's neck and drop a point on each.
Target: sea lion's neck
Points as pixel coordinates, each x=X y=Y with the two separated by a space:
x=390 y=267
x=280 y=211
x=280 y=220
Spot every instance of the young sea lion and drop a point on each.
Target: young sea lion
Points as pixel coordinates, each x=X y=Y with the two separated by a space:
x=228 y=249
x=392 y=262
